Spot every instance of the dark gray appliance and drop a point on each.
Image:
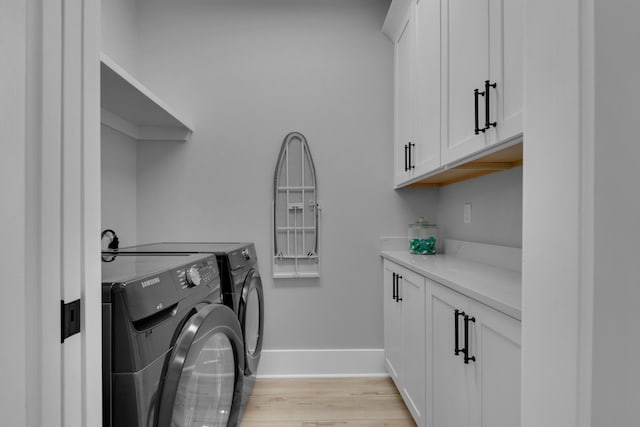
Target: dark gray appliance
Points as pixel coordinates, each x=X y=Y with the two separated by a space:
x=241 y=290
x=172 y=353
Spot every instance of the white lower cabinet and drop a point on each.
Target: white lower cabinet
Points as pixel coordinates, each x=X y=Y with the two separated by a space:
x=455 y=361
x=496 y=371
x=448 y=399
x=392 y=325
x=405 y=336
x=412 y=291
x=480 y=385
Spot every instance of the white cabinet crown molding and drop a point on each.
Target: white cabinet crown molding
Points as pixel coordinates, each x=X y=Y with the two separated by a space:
x=396 y=16
x=134 y=110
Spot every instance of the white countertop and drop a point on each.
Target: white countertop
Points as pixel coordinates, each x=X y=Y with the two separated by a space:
x=497 y=287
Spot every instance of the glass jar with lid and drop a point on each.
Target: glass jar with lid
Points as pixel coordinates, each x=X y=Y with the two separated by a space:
x=423 y=237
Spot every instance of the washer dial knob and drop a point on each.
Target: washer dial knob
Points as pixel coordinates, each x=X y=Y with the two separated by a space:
x=245 y=254
x=193 y=276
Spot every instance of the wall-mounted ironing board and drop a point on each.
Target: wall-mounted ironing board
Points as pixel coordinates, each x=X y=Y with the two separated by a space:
x=295 y=211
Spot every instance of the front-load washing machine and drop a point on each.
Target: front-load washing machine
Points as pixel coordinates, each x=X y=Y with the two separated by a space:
x=241 y=289
x=172 y=352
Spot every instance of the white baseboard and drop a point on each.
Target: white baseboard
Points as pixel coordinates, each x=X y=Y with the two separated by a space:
x=316 y=363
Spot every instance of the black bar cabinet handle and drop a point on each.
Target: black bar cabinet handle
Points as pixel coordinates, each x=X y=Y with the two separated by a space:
x=487 y=104
x=398 y=278
x=476 y=94
x=411 y=165
x=467 y=358
x=393 y=287
x=406 y=148
x=457 y=313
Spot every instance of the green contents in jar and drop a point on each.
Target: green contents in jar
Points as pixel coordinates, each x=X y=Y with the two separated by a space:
x=423 y=246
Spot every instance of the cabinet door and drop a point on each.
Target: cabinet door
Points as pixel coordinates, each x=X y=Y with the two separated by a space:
x=448 y=396
x=426 y=151
x=392 y=326
x=412 y=292
x=466 y=43
x=506 y=63
x=496 y=370
x=405 y=98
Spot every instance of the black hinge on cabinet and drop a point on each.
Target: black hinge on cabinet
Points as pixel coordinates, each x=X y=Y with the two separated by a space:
x=69 y=318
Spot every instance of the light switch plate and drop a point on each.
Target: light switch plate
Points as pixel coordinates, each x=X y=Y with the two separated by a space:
x=467 y=213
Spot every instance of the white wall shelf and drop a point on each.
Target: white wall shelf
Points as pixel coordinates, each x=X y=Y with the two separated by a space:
x=132 y=109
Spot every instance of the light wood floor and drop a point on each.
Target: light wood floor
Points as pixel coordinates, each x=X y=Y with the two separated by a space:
x=342 y=402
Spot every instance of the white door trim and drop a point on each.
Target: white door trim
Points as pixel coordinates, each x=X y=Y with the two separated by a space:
x=50 y=208
x=587 y=214
x=558 y=284
x=91 y=290
x=14 y=374
x=69 y=206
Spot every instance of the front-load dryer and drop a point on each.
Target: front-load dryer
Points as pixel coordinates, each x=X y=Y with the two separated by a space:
x=172 y=353
x=241 y=289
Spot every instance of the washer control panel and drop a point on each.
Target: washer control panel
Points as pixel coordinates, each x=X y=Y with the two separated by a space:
x=156 y=286
x=200 y=273
x=192 y=276
x=242 y=257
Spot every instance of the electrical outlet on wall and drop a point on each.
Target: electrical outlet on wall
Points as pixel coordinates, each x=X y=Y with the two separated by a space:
x=467 y=213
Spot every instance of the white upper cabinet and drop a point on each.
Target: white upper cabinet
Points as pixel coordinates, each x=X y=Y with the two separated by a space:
x=482 y=42
x=426 y=151
x=458 y=87
x=466 y=39
x=405 y=98
x=506 y=67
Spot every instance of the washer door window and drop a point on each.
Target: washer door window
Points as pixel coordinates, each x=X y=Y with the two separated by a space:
x=203 y=381
x=251 y=315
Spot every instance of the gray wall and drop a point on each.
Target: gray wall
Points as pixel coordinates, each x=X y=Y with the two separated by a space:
x=246 y=73
x=617 y=209
x=496 y=209
x=119 y=152
x=118 y=184
x=119 y=33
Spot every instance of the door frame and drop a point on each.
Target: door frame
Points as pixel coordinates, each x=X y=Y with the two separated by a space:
x=52 y=184
x=16 y=376
x=71 y=187
x=558 y=285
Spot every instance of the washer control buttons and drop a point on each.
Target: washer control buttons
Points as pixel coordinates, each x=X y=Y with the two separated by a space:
x=193 y=276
